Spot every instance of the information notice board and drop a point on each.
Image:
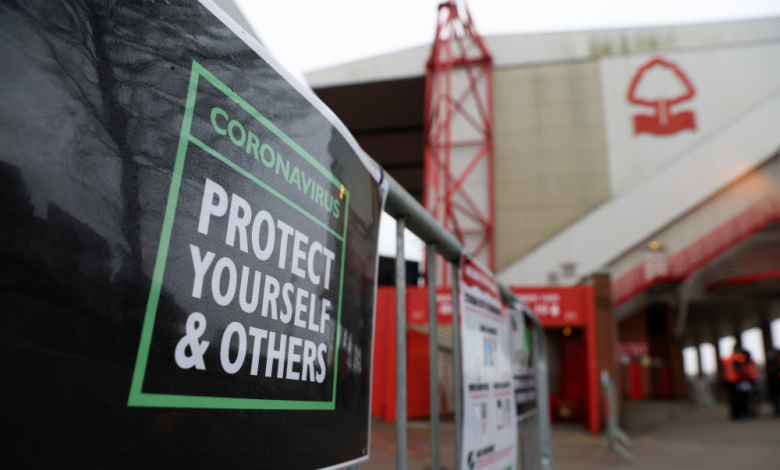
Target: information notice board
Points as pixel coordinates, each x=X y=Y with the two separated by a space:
x=489 y=429
x=189 y=249
x=523 y=371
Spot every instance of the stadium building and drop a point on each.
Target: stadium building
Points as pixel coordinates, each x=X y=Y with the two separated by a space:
x=633 y=189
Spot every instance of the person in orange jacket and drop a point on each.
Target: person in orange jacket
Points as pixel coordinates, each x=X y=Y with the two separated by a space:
x=750 y=376
x=734 y=374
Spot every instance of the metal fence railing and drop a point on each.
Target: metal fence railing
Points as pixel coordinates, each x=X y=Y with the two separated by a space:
x=533 y=428
x=534 y=450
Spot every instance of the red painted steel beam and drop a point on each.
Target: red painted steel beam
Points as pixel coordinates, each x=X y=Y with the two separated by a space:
x=749 y=278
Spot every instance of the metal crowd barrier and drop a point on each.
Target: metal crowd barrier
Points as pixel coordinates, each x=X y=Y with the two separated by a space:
x=533 y=428
x=534 y=450
x=616 y=438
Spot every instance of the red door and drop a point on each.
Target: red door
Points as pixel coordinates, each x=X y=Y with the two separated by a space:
x=635 y=382
x=665 y=382
x=574 y=380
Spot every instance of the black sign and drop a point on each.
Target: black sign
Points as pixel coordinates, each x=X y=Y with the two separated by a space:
x=525 y=393
x=188 y=255
x=523 y=370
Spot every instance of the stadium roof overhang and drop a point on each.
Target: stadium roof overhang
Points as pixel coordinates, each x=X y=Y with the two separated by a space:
x=511 y=50
x=724 y=282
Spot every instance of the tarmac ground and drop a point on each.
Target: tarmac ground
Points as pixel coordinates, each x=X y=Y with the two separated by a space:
x=666 y=436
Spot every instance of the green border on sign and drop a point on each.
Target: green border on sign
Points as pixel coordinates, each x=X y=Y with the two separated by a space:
x=137 y=397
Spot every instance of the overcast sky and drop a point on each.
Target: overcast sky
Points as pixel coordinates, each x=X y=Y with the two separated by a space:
x=307 y=35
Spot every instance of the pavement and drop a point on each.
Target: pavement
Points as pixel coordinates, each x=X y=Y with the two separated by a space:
x=692 y=439
x=418 y=446
x=666 y=436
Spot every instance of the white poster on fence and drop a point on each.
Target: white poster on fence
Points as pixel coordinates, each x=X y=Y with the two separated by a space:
x=522 y=369
x=489 y=434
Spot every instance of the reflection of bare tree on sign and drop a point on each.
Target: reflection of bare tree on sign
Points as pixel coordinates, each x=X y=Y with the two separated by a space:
x=127 y=65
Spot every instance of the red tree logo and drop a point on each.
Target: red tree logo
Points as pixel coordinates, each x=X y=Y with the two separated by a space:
x=661 y=84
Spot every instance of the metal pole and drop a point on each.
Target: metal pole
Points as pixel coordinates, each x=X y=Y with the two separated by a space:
x=420 y=222
x=458 y=369
x=400 y=346
x=433 y=355
x=542 y=397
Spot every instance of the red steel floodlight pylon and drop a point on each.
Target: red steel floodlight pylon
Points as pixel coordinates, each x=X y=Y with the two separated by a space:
x=458 y=173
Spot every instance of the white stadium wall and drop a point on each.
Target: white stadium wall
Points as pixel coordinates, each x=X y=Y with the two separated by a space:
x=657 y=178
x=575 y=185
x=728 y=84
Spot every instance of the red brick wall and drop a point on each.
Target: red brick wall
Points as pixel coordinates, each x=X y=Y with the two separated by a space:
x=606 y=331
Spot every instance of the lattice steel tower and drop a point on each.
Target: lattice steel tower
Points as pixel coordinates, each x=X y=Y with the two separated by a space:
x=458 y=173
